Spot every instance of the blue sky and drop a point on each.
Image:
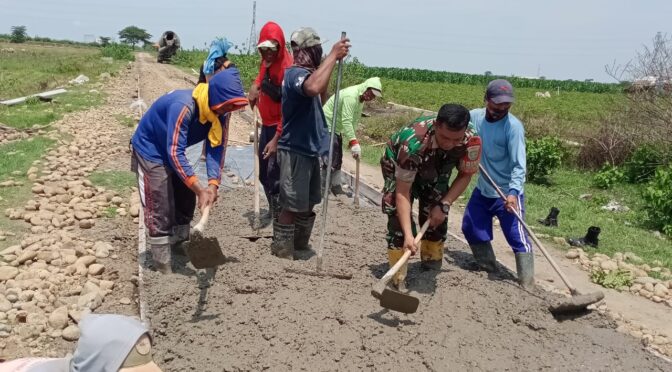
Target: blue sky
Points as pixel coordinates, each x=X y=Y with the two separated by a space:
x=568 y=39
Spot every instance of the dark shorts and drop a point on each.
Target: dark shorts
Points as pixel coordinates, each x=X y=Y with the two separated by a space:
x=166 y=200
x=299 y=181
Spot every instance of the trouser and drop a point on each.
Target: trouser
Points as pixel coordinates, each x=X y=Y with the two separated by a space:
x=336 y=161
x=269 y=170
x=166 y=201
x=299 y=182
x=477 y=222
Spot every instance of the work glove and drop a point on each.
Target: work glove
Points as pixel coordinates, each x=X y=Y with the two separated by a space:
x=356 y=150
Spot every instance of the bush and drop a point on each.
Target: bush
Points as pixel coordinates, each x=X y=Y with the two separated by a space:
x=543 y=157
x=642 y=164
x=658 y=199
x=608 y=176
x=118 y=51
x=611 y=144
x=614 y=279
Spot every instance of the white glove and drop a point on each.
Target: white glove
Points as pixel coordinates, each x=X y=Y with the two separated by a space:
x=356 y=150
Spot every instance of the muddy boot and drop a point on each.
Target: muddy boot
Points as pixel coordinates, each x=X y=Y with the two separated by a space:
x=398 y=281
x=180 y=236
x=590 y=239
x=552 y=218
x=484 y=256
x=303 y=229
x=525 y=269
x=431 y=254
x=161 y=257
x=283 y=241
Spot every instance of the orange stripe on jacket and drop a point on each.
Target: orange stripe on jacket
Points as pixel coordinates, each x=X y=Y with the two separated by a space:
x=173 y=148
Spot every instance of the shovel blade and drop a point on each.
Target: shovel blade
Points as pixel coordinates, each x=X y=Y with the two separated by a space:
x=576 y=303
x=204 y=252
x=397 y=301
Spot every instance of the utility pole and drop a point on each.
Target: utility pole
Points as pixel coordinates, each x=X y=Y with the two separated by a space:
x=252 y=40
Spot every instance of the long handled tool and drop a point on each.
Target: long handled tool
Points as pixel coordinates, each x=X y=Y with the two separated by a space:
x=395 y=300
x=204 y=252
x=578 y=302
x=257 y=220
x=320 y=250
x=357 y=182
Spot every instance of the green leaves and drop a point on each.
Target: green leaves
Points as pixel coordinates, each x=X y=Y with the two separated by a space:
x=543 y=157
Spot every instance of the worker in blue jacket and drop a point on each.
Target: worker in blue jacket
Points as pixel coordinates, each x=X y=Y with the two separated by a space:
x=169 y=188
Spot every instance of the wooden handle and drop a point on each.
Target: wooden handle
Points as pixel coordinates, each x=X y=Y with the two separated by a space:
x=357 y=182
x=256 y=168
x=550 y=259
x=379 y=287
x=200 y=226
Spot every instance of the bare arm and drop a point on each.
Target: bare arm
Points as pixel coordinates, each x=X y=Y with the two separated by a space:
x=318 y=82
x=403 y=201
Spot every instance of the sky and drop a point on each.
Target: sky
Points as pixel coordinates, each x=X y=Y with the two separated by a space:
x=559 y=39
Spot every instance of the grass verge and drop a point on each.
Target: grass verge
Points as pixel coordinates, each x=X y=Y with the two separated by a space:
x=119 y=181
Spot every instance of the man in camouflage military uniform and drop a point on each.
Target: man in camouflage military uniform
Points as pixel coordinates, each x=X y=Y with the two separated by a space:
x=417 y=164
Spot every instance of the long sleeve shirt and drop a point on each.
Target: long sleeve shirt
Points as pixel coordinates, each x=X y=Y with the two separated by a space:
x=169 y=127
x=349 y=109
x=503 y=153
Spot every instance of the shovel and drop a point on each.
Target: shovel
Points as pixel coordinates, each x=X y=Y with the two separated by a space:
x=578 y=302
x=204 y=252
x=395 y=300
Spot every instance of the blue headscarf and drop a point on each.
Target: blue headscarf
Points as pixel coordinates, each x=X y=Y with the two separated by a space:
x=218 y=48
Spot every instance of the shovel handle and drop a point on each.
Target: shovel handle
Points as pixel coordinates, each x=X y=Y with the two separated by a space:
x=256 y=169
x=550 y=260
x=200 y=226
x=379 y=287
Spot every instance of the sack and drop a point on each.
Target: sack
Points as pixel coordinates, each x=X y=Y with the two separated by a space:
x=270 y=89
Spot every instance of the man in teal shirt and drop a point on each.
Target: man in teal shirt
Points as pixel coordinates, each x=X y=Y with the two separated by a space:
x=350 y=104
x=503 y=157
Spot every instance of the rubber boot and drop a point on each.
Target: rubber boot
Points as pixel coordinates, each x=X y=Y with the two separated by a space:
x=302 y=230
x=591 y=238
x=552 y=218
x=484 y=256
x=283 y=241
x=180 y=235
x=161 y=257
x=399 y=279
x=525 y=269
x=431 y=254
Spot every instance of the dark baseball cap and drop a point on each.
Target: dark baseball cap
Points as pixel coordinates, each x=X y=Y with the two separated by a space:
x=500 y=91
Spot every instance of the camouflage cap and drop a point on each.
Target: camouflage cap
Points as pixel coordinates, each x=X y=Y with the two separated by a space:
x=305 y=37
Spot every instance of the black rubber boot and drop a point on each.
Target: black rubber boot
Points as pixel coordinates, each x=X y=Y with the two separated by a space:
x=552 y=218
x=162 y=258
x=283 y=241
x=591 y=238
x=484 y=256
x=303 y=229
x=525 y=269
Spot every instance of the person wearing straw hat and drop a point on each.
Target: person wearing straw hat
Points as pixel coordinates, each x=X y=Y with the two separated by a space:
x=350 y=105
x=168 y=185
x=107 y=343
x=304 y=139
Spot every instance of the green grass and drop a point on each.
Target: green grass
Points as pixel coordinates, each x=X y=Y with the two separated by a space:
x=35 y=112
x=126 y=121
x=110 y=212
x=119 y=181
x=18 y=156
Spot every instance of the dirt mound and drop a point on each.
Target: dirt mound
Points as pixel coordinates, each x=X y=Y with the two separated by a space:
x=252 y=315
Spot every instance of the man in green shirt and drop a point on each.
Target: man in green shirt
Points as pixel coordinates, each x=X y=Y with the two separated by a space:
x=350 y=104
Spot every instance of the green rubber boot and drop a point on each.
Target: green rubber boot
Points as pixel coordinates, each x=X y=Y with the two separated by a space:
x=484 y=256
x=525 y=269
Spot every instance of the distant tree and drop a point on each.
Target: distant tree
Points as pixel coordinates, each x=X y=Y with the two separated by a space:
x=19 y=34
x=104 y=40
x=488 y=73
x=133 y=35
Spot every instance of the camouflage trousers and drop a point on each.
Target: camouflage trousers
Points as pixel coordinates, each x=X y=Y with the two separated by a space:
x=428 y=195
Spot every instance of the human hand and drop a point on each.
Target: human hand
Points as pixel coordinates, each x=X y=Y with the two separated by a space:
x=409 y=243
x=341 y=48
x=436 y=216
x=356 y=150
x=511 y=203
x=270 y=149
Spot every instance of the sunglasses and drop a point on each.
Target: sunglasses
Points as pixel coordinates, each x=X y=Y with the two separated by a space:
x=267 y=49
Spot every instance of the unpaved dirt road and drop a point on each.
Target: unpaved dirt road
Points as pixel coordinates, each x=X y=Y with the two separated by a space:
x=252 y=315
